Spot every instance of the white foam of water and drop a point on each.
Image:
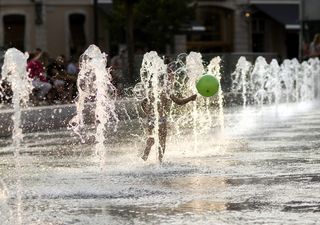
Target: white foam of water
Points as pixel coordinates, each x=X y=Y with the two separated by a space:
x=240 y=78
x=14 y=71
x=6 y=212
x=206 y=112
x=194 y=69
x=154 y=83
x=214 y=69
x=94 y=83
x=273 y=83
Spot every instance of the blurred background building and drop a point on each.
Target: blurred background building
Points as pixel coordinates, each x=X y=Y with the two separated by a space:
x=218 y=26
x=310 y=18
x=56 y=26
x=246 y=26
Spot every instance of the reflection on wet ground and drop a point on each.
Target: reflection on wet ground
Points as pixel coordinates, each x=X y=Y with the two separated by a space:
x=266 y=174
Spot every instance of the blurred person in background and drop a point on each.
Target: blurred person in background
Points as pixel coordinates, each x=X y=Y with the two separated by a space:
x=63 y=83
x=314 y=49
x=118 y=66
x=39 y=80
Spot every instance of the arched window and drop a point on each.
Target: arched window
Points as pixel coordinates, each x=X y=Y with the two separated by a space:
x=77 y=33
x=14 y=31
x=216 y=33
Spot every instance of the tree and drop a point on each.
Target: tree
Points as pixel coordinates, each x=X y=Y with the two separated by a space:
x=145 y=24
x=157 y=23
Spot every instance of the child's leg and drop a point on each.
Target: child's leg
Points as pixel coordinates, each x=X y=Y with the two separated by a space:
x=146 y=152
x=150 y=143
x=162 y=140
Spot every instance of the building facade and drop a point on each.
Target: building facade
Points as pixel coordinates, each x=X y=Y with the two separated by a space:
x=243 y=26
x=68 y=26
x=310 y=19
x=56 y=26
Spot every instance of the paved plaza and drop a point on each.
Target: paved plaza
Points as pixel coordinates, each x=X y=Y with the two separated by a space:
x=265 y=170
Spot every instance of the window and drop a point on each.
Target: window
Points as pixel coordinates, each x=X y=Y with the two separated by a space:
x=258 y=35
x=77 y=34
x=211 y=21
x=216 y=33
x=14 y=31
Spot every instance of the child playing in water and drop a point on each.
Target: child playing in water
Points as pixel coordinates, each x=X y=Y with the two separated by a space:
x=163 y=110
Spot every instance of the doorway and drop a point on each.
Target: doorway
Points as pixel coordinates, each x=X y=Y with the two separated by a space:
x=14 y=31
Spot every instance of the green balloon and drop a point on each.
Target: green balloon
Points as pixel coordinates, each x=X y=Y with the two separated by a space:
x=207 y=85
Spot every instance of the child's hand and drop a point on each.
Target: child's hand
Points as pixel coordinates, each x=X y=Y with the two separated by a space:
x=193 y=97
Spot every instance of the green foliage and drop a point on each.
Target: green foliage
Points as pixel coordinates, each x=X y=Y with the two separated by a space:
x=155 y=22
x=115 y=22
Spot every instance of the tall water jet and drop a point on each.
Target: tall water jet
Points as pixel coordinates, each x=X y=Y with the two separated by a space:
x=258 y=77
x=287 y=78
x=293 y=79
x=273 y=83
x=15 y=73
x=207 y=112
x=214 y=69
x=297 y=77
x=94 y=84
x=307 y=87
x=315 y=63
x=181 y=87
x=153 y=84
x=240 y=77
x=194 y=68
x=6 y=213
x=314 y=75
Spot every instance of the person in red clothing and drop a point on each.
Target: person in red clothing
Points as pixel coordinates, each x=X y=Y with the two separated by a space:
x=63 y=83
x=36 y=73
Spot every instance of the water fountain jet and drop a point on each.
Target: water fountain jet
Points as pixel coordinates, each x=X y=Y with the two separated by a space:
x=15 y=73
x=94 y=84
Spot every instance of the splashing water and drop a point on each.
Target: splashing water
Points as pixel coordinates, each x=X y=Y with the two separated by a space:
x=94 y=83
x=194 y=68
x=214 y=69
x=308 y=87
x=240 y=78
x=6 y=212
x=207 y=111
x=153 y=84
x=15 y=73
x=258 y=76
x=295 y=68
x=287 y=78
x=273 y=83
x=186 y=70
x=315 y=67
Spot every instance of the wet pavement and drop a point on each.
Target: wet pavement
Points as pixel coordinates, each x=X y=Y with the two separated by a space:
x=265 y=169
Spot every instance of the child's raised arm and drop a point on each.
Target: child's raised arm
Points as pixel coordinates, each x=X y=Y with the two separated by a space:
x=182 y=101
x=144 y=105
